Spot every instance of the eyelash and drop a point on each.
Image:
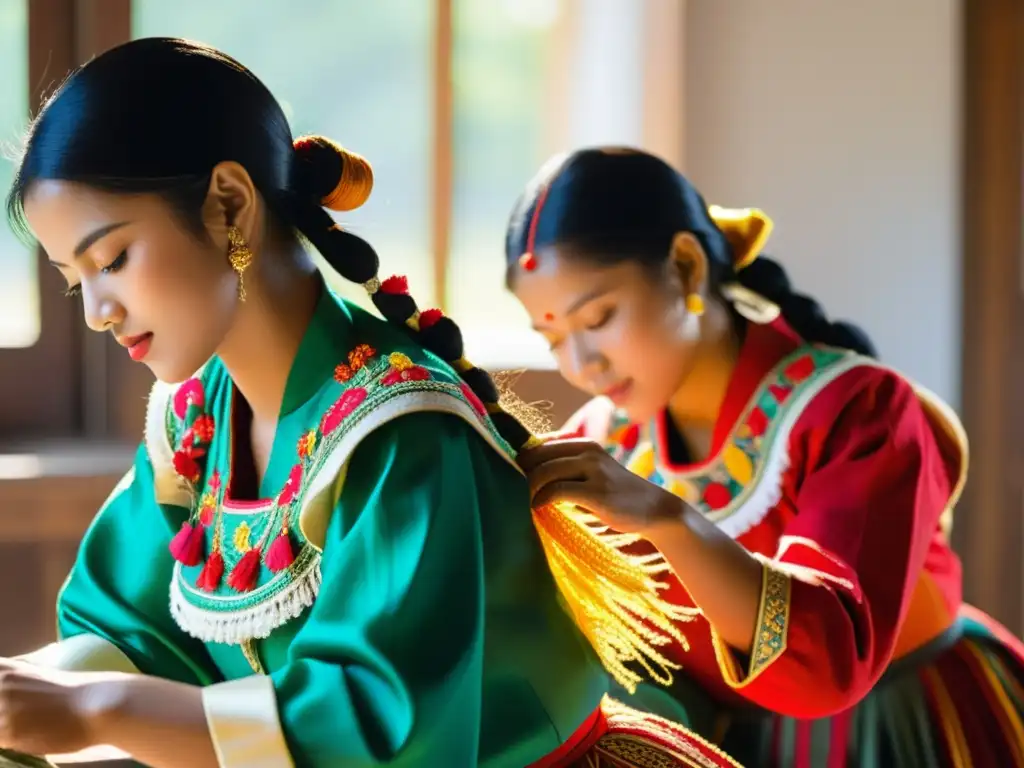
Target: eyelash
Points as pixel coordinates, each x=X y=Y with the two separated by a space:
x=115 y=266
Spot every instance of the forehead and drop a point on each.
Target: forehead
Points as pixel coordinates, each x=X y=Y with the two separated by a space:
x=61 y=213
x=562 y=275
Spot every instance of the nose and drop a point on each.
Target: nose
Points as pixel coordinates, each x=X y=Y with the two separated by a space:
x=102 y=311
x=586 y=361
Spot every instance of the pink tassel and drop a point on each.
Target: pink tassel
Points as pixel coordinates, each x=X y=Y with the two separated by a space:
x=280 y=554
x=187 y=545
x=244 y=575
x=212 y=573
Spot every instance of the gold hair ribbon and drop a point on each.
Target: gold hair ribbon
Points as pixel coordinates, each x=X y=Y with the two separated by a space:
x=746 y=229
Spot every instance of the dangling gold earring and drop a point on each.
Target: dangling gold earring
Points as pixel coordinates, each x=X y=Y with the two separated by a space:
x=239 y=256
x=694 y=304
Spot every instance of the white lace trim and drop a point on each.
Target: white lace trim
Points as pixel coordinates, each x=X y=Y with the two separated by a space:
x=254 y=623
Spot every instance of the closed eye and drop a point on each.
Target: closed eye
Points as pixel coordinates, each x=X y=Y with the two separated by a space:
x=603 y=321
x=117 y=263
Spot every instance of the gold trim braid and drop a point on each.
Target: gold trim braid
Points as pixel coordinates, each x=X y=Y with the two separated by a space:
x=770 y=638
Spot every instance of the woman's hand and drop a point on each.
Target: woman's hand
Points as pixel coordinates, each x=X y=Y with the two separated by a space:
x=45 y=712
x=580 y=472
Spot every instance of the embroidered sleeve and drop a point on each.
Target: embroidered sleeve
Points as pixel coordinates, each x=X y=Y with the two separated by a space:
x=770 y=635
x=113 y=610
x=847 y=582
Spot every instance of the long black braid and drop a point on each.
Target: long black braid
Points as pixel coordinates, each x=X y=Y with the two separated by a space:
x=321 y=172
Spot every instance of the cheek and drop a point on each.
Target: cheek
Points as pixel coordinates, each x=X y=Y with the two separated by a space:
x=182 y=284
x=661 y=343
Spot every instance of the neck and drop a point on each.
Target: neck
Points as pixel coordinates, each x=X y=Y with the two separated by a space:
x=260 y=349
x=697 y=403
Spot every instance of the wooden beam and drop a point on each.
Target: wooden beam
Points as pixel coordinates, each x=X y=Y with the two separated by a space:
x=989 y=533
x=443 y=157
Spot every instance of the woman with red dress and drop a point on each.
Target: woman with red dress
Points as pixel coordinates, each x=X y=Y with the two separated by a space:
x=800 y=491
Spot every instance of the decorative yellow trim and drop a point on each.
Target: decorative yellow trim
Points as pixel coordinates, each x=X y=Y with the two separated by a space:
x=644 y=744
x=244 y=725
x=770 y=637
x=81 y=653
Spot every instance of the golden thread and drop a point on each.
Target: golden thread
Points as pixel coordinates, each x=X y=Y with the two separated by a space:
x=613 y=596
x=240 y=257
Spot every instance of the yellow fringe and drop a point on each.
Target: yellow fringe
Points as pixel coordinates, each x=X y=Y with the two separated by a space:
x=613 y=596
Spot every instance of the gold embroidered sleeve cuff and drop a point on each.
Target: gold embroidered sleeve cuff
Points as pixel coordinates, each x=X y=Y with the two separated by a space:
x=244 y=724
x=81 y=653
x=770 y=635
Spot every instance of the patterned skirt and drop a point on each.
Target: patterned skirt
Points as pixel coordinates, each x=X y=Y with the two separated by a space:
x=617 y=736
x=956 y=703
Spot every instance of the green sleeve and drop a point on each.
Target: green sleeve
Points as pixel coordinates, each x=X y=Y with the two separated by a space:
x=118 y=587
x=390 y=667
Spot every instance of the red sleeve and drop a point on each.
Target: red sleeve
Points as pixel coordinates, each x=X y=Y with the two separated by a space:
x=869 y=484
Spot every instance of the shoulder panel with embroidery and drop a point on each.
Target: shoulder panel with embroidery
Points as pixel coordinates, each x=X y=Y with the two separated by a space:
x=742 y=482
x=165 y=413
x=237 y=580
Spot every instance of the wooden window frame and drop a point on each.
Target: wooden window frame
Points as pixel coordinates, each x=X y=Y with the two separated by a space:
x=81 y=390
x=990 y=528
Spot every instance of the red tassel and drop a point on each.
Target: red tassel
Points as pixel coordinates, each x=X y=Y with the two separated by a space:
x=244 y=575
x=429 y=317
x=396 y=285
x=187 y=545
x=212 y=573
x=280 y=554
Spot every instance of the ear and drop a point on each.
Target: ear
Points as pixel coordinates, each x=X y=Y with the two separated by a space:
x=690 y=263
x=231 y=201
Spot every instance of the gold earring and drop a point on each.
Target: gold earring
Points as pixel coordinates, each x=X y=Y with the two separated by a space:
x=694 y=304
x=239 y=256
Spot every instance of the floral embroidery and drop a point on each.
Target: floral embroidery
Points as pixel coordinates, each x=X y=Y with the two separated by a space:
x=306 y=444
x=189 y=394
x=265 y=539
x=403 y=369
x=186 y=466
x=357 y=359
x=342 y=409
x=188 y=544
x=241 y=538
x=291 y=485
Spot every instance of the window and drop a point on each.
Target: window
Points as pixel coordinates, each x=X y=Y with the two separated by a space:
x=356 y=72
x=19 y=290
x=455 y=102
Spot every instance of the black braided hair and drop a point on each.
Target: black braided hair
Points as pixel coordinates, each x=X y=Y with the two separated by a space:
x=156 y=115
x=619 y=205
x=320 y=168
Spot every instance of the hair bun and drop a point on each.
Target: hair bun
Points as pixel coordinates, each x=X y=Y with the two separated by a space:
x=341 y=180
